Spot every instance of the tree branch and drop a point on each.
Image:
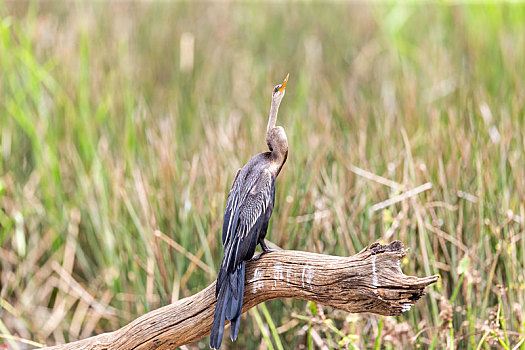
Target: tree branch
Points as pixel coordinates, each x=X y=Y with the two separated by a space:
x=370 y=281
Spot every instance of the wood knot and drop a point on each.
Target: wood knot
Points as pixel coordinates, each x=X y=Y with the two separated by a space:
x=392 y=247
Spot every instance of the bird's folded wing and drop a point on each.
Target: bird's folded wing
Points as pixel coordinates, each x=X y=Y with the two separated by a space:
x=231 y=206
x=247 y=210
x=255 y=203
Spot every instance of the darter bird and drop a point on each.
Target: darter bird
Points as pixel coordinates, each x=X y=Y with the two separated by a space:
x=248 y=211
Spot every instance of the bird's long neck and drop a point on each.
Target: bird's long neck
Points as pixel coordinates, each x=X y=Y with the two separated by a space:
x=276 y=139
x=274 y=109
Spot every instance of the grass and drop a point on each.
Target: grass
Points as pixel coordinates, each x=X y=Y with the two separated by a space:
x=122 y=126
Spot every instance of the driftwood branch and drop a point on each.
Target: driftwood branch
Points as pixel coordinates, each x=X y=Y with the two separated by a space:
x=370 y=281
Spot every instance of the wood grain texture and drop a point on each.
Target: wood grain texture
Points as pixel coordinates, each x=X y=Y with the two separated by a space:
x=370 y=281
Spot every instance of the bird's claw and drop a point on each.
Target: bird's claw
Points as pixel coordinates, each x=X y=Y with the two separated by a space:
x=258 y=256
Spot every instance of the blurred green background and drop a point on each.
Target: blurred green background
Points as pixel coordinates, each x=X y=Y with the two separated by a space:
x=122 y=126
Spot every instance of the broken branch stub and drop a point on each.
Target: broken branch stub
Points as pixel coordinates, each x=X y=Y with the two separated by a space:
x=370 y=281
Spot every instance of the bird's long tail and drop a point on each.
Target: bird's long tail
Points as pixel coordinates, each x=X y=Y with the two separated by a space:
x=229 y=305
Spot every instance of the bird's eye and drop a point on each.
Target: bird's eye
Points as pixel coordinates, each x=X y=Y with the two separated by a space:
x=276 y=88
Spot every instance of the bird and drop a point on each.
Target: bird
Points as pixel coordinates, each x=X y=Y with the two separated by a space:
x=248 y=211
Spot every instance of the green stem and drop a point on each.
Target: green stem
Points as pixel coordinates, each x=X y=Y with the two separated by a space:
x=379 y=330
x=269 y=320
x=264 y=333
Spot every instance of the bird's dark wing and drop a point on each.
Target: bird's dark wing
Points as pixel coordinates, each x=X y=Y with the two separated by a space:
x=231 y=206
x=245 y=218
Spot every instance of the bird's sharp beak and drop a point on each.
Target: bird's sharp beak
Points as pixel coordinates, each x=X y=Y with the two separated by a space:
x=283 y=86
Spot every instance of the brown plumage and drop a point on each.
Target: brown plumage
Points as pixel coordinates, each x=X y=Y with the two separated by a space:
x=248 y=211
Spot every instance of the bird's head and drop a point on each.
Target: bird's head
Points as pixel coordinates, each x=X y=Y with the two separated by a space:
x=279 y=90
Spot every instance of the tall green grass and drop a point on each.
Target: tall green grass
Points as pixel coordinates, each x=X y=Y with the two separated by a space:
x=116 y=161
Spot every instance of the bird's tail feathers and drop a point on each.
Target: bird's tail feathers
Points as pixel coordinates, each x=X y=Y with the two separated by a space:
x=234 y=314
x=219 y=318
x=228 y=305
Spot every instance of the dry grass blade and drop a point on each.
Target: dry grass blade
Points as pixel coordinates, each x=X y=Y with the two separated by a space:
x=181 y=250
x=401 y=197
x=376 y=178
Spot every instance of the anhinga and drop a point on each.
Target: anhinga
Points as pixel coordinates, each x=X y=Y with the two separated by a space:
x=248 y=211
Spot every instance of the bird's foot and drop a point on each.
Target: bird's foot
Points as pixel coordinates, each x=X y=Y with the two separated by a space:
x=268 y=251
x=257 y=257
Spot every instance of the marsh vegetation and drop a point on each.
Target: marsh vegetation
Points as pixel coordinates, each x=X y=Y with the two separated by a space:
x=122 y=126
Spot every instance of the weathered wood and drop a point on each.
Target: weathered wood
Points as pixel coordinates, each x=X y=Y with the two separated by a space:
x=370 y=281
